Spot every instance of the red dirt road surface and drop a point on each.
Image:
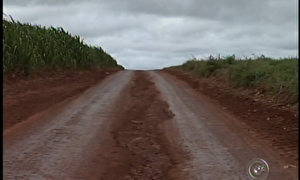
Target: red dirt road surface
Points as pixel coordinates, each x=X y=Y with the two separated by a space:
x=136 y=125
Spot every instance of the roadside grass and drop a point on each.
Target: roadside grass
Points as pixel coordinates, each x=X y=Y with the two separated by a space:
x=27 y=48
x=274 y=75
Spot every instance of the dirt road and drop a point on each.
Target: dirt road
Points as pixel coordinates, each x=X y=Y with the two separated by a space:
x=136 y=125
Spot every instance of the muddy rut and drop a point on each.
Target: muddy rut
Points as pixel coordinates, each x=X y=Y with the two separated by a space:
x=138 y=135
x=136 y=125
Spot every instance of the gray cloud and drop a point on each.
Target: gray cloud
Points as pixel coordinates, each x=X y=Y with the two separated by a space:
x=154 y=34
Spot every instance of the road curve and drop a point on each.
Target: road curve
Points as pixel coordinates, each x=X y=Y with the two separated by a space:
x=219 y=146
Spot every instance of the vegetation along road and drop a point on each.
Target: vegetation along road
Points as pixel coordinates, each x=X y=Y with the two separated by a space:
x=72 y=112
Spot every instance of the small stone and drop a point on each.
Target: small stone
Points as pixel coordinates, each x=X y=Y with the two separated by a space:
x=289 y=166
x=268 y=118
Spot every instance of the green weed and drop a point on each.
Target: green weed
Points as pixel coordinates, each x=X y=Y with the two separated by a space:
x=275 y=75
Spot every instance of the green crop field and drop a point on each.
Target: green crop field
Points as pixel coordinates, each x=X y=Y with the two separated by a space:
x=29 y=47
x=275 y=75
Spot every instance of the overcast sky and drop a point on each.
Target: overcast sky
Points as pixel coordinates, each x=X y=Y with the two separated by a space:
x=144 y=34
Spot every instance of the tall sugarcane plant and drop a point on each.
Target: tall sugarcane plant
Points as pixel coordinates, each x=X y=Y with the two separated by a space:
x=29 y=47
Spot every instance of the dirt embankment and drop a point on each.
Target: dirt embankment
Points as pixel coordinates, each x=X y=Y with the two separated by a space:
x=25 y=96
x=141 y=143
x=272 y=122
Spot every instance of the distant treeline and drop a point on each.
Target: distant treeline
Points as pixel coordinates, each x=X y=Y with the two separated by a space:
x=275 y=75
x=29 y=47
